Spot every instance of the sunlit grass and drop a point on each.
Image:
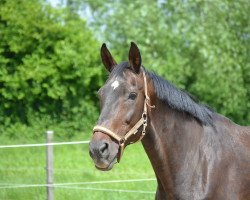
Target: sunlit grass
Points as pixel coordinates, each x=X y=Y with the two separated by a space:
x=72 y=164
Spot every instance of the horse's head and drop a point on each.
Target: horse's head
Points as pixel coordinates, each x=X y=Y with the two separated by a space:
x=123 y=101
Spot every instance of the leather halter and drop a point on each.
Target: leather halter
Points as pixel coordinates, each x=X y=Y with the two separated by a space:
x=142 y=122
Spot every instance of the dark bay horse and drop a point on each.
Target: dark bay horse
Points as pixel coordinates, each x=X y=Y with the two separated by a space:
x=195 y=152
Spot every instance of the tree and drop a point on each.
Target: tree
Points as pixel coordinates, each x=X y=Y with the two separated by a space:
x=201 y=46
x=49 y=65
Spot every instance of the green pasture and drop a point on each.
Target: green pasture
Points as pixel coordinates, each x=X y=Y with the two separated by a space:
x=72 y=164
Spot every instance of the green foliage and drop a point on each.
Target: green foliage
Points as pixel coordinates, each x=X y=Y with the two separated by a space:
x=201 y=46
x=49 y=66
x=49 y=59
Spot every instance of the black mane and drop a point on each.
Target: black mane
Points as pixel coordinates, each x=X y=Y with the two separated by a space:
x=180 y=100
x=174 y=97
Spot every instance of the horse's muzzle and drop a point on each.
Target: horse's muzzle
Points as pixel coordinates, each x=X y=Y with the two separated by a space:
x=103 y=153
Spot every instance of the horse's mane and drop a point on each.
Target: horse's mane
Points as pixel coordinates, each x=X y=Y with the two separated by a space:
x=177 y=99
x=181 y=100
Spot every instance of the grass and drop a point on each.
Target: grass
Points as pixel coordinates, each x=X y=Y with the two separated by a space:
x=73 y=164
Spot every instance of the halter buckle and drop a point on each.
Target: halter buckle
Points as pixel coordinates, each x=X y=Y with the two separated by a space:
x=122 y=141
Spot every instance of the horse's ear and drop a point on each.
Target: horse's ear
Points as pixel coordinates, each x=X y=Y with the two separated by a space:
x=134 y=57
x=107 y=58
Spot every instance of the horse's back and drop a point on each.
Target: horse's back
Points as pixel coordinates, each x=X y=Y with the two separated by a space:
x=243 y=161
x=236 y=139
x=239 y=134
x=235 y=136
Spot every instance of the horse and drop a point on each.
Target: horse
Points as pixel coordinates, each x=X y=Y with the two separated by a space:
x=195 y=152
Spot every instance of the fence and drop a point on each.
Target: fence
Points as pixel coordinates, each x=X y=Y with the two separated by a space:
x=50 y=185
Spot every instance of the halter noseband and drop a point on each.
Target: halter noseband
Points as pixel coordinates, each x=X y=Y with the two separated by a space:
x=142 y=122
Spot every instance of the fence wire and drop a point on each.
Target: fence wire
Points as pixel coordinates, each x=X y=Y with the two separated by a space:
x=42 y=144
x=69 y=185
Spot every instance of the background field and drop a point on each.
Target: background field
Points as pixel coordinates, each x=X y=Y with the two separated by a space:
x=73 y=164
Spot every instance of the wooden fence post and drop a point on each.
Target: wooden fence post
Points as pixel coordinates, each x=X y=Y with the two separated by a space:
x=49 y=165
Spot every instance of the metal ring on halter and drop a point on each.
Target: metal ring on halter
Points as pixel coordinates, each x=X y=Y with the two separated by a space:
x=122 y=141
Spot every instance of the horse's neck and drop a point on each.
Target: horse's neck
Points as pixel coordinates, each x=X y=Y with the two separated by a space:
x=170 y=141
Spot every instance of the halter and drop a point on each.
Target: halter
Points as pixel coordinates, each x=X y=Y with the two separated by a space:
x=142 y=122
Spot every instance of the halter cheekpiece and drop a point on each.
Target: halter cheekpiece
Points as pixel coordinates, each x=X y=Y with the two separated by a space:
x=141 y=123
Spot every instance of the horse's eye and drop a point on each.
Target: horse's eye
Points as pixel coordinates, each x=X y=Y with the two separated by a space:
x=132 y=96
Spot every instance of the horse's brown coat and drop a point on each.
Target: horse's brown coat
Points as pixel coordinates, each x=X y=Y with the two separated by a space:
x=191 y=159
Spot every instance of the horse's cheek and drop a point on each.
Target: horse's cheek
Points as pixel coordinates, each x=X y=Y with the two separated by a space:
x=129 y=115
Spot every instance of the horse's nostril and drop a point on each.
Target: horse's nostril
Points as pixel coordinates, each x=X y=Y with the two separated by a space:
x=103 y=148
x=99 y=149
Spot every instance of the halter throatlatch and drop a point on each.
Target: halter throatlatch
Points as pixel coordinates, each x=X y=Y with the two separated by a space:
x=141 y=123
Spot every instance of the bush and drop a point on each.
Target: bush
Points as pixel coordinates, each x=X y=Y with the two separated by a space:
x=49 y=66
